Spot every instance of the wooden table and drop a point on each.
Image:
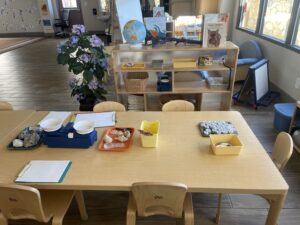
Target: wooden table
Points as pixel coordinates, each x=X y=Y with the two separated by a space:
x=9 y=120
x=182 y=156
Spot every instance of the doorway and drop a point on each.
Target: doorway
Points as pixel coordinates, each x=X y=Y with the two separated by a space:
x=75 y=15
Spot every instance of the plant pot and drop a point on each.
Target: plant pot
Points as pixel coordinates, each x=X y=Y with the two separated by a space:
x=87 y=104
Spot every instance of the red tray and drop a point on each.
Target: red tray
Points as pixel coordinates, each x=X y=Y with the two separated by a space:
x=108 y=132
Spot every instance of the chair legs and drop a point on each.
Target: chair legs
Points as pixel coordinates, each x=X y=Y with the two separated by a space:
x=218 y=215
x=57 y=221
x=3 y=220
x=81 y=205
x=188 y=210
x=131 y=211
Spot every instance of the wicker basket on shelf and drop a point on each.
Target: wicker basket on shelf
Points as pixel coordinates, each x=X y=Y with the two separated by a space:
x=136 y=81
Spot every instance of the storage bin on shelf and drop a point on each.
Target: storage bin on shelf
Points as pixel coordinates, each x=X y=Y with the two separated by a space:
x=184 y=63
x=136 y=81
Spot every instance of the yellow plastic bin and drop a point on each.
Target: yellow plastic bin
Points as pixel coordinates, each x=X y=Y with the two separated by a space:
x=152 y=127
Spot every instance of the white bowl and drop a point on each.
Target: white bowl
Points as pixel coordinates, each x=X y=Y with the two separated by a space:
x=84 y=127
x=51 y=124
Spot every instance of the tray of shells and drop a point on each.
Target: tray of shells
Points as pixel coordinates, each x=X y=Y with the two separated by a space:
x=116 y=139
x=28 y=139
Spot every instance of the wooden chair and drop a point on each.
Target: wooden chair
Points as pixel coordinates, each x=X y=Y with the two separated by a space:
x=178 y=105
x=5 y=106
x=148 y=198
x=109 y=106
x=23 y=202
x=282 y=152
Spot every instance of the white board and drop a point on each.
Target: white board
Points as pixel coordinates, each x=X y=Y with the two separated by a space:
x=261 y=81
x=128 y=10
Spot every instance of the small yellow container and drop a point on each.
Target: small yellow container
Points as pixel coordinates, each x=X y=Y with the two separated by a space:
x=184 y=63
x=233 y=139
x=150 y=141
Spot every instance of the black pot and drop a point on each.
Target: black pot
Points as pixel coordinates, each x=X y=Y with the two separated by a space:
x=87 y=104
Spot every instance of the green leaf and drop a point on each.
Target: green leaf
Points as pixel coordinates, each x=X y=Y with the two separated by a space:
x=62 y=59
x=77 y=68
x=88 y=75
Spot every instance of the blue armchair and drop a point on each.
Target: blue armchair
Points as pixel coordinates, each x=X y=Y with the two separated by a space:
x=250 y=53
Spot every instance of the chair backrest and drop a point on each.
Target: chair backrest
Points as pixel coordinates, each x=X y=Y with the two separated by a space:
x=251 y=49
x=5 y=106
x=178 y=105
x=159 y=198
x=109 y=106
x=282 y=150
x=21 y=202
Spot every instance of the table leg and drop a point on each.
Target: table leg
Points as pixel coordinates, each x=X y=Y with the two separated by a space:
x=81 y=205
x=276 y=203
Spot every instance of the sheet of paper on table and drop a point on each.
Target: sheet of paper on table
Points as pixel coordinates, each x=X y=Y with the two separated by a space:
x=104 y=119
x=44 y=171
x=57 y=115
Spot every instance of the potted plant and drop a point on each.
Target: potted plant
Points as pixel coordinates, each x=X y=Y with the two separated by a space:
x=86 y=58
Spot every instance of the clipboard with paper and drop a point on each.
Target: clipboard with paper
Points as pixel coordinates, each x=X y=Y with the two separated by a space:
x=44 y=171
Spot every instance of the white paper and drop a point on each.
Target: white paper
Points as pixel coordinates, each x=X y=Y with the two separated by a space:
x=104 y=119
x=57 y=115
x=43 y=171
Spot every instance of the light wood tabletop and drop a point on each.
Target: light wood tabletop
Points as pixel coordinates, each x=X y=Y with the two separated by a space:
x=9 y=120
x=182 y=156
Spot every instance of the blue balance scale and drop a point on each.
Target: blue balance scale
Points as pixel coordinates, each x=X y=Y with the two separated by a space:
x=67 y=137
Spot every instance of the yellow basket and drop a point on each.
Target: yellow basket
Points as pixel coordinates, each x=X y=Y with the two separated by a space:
x=233 y=139
x=150 y=141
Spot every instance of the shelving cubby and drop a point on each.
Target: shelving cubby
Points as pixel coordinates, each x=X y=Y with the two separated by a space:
x=184 y=80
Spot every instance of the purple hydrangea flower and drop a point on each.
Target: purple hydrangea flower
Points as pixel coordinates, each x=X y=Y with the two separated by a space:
x=78 y=29
x=93 y=84
x=60 y=48
x=79 y=96
x=74 y=40
x=85 y=58
x=73 y=83
x=104 y=63
x=95 y=41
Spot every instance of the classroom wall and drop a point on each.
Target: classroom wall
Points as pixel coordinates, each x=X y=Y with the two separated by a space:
x=90 y=21
x=20 y=16
x=284 y=63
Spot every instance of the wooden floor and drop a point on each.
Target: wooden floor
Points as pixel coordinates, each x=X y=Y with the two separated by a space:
x=31 y=79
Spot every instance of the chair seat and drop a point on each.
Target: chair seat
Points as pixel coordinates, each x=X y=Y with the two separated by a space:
x=247 y=61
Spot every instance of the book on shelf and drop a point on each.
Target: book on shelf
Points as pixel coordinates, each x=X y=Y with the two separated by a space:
x=215 y=29
x=157 y=26
x=214 y=34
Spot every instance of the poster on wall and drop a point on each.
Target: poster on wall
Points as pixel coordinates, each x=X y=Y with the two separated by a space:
x=128 y=10
x=158 y=11
x=44 y=9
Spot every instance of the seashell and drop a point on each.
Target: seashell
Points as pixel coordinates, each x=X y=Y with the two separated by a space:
x=17 y=143
x=108 y=139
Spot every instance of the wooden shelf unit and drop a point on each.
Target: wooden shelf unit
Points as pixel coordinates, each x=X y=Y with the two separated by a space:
x=167 y=52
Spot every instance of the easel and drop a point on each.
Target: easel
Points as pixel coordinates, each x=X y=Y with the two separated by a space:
x=255 y=90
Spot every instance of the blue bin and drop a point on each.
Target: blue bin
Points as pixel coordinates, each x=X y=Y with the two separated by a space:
x=283 y=116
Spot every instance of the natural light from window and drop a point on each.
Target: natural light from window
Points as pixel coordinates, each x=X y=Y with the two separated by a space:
x=249 y=14
x=298 y=36
x=68 y=4
x=277 y=18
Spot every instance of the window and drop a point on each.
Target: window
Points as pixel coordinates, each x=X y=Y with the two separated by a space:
x=249 y=14
x=298 y=36
x=273 y=20
x=277 y=18
x=69 y=4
